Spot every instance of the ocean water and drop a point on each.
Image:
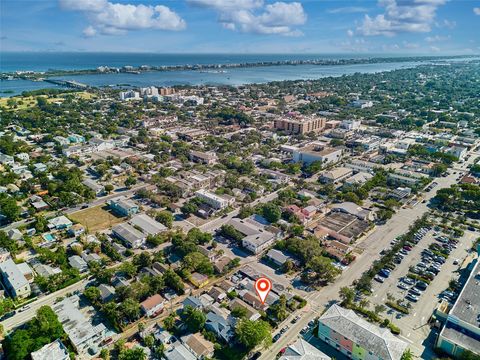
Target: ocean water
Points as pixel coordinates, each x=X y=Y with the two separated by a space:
x=232 y=76
x=14 y=61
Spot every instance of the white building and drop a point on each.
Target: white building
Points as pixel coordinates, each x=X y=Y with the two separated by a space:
x=315 y=152
x=53 y=351
x=83 y=335
x=130 y=95
x=351 y=124
x=13 y=279
x=215 y=201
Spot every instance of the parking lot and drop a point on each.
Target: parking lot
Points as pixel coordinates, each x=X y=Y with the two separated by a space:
x=414 y=326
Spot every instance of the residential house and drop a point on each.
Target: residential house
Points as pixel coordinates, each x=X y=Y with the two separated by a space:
x=199 y=280
x=178 y=351
x=219 y=326
x=76 y=230
x=107 y=292
x=123 y=206
x=78 y=263
x=59 y=223
x=303 y=350
x=153 y=305
x=52 y=351
x=198 y=346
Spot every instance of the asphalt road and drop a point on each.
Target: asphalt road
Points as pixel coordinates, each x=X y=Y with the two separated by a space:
x=22 y=317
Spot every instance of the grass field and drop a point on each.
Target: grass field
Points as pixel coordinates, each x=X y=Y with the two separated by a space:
x=29 y=101
x=96 y=218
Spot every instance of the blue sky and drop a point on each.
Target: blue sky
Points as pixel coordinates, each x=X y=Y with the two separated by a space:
x=242 y=26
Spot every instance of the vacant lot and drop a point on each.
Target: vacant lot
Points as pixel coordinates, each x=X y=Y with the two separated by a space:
x=24 y=102
x=96 y=218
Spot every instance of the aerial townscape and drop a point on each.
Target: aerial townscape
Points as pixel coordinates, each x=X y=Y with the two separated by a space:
x=289 y=217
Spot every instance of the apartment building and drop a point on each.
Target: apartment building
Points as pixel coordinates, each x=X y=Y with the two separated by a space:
x=300 y=125
x=14 y=280
x=215 y=201
x=356 y=338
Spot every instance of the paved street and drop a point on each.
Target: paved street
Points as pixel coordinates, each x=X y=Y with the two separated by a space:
x=24 y=316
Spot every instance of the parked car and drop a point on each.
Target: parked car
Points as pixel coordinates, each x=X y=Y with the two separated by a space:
x=411 y=297
x=403 y=286
x=421 y=285
x=379 y=279
x=408 y=281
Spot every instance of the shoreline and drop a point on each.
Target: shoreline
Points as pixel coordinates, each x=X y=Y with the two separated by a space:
x=126 y=69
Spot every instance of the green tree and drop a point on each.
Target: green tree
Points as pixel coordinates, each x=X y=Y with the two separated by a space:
x=92 y=293
x=347 y=295
x=194 y=319
x=271 y=212
x=165 y=217
x=132 y=354
x=130 y=181
x=407 y=355
x=324 y=269
x=108 y=188
x=253 y=333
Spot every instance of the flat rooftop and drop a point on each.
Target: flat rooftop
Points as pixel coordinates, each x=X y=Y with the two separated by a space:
x=467 y=310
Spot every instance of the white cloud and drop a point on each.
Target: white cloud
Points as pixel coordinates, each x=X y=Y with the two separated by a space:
x=89 y=31
x=347 y=10
x=434 y=49
x=115 y=19
x=436 y=38
x=476 y=11
x=255 y=17
x=350 y=33
x=409 y=45
x=401 y=16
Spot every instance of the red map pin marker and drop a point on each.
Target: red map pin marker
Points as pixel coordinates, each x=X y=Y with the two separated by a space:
x=263 y=287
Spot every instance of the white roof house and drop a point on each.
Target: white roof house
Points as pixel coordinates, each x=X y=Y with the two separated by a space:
x=302 y=350
x=53 y=351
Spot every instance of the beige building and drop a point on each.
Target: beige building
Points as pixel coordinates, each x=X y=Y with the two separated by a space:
x=300 y=125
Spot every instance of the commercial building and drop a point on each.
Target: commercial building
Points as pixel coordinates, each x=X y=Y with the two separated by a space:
x=130 y=95
x=13 y=279
x=356 y=338
x=129 y=235
x=300 y=125
x=336 y=175
x=147 y=224
x=83 y=335
x=461 y=330
x=317 y=152
x=215 y=201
